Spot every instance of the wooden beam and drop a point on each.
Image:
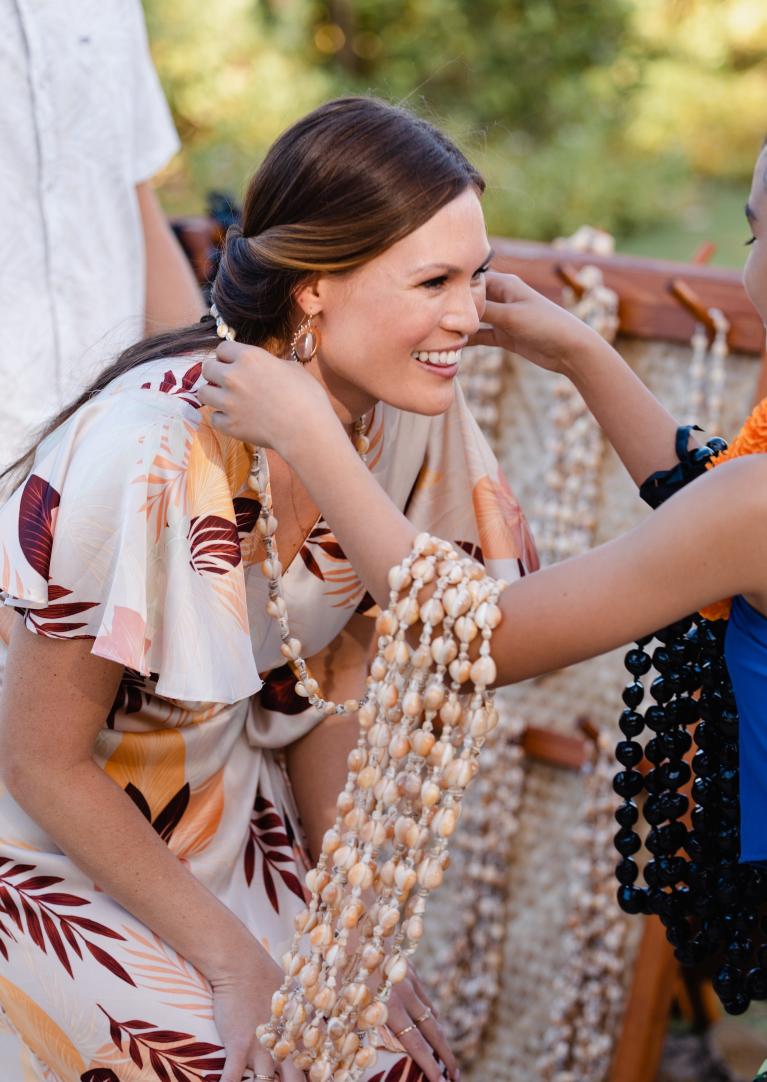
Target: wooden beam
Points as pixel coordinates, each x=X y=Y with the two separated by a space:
x=554 y=748
x=647 y=308
x=643 y=1028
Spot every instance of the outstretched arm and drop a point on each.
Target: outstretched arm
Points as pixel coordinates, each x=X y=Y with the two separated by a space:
x=673 y=563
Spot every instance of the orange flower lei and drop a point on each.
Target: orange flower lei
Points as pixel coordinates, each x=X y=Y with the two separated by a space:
x=751 y=440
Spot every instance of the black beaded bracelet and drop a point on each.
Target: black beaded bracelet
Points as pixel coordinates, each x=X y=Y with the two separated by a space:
x=693 y=462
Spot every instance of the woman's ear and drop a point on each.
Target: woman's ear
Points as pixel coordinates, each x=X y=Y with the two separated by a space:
x=308 y=298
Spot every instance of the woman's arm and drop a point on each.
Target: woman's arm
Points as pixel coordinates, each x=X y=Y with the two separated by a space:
x=670 y=565
x=173 y=297
x=56 y=698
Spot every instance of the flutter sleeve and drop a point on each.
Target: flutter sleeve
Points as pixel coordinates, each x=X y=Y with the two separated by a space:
x=125 y=533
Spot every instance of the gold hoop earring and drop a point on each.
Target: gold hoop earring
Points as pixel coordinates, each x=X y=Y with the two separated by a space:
x=305 y=344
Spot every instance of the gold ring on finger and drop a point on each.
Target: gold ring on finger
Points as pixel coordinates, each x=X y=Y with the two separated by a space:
x=265 y=1077
x=424 y=1016
x=407 y=1029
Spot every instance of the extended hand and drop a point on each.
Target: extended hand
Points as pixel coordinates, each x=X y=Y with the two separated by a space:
x=525 y=322
x=242 y=993
x=263 y=399
x=411 y=1010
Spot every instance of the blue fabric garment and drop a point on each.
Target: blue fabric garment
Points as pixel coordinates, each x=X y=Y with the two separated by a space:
x=745 y=649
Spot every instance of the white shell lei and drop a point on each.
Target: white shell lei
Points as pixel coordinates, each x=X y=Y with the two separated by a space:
x=417 y=751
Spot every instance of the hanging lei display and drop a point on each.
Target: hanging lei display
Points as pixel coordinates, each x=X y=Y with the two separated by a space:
x=588 y=989
x=567 y=513
x=420 y=739
x=468 y=968
x=708 y=902
x=708 y=371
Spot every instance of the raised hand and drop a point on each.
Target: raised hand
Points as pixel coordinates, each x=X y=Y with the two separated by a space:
x=263 y=399
x=519 y=319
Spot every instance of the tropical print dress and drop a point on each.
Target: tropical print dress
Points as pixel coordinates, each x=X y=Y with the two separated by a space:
x=136 y=529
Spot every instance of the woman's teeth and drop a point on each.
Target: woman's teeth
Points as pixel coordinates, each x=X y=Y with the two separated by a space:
x=444 y=359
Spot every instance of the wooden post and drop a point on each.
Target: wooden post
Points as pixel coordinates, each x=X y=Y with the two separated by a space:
x=643 y=1030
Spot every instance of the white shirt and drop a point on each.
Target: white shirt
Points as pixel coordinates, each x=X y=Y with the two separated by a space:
x=82 y=121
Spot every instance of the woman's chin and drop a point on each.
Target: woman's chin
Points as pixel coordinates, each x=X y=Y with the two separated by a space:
x=429 y=402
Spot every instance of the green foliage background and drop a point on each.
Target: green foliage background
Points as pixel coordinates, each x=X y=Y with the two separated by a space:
x=628 y=114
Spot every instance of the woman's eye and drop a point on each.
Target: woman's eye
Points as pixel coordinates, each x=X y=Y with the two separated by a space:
x=435 y=283
x=481 y=272
x=752 y=241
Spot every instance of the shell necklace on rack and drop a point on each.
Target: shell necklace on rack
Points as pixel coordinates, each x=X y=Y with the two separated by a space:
x=303 y=347
x=707 y=374
x=423 y=722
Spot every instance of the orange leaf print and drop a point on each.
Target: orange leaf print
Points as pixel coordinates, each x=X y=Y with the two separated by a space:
x=153 y=763
x=201 y=819
x=165 y=481
x=208 y=491
x=503 y=531
x=40 y=1033
x=162 y=970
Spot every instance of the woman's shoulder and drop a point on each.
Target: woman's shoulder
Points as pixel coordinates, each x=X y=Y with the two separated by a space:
x=167 y=382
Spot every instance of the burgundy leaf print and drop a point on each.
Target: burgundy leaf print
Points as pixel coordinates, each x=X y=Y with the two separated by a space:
x=52 y=620
x=184 y=390
x=311 y=563
x=215 y=545
x=246 y=512
x=322 y=537
x=39 y=501
x=183 y=1062
x=170 y=816
x=404 y=1070
x=278 y=692
x=99 y=1074
x=473 y=550
x=269 y=837
x=131 y=697
x=28 y=904
x=367 y=603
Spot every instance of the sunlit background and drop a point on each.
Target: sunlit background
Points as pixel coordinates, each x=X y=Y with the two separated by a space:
x=639 y=116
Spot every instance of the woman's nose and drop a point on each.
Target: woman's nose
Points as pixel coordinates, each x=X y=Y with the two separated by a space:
x=463 y=315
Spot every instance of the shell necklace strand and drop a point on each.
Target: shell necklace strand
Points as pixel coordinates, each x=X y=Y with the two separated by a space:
x=422 y=724
x=266 y=526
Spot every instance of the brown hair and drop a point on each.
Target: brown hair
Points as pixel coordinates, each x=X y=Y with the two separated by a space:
x=335 y=190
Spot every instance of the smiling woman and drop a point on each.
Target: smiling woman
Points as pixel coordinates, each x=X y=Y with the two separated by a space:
x=163 y=726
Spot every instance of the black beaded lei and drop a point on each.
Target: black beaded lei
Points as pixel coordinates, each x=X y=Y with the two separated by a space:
x=710 y=904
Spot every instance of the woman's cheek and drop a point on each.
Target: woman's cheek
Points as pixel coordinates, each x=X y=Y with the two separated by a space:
x=755 y=281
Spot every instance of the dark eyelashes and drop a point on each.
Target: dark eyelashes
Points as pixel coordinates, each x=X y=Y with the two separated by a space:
x=752 y=241
x=433 y=283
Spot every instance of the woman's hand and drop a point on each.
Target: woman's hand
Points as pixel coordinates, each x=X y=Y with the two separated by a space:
x=414 y=1022
x=262 y=399
x=242 y=994
x=524 y=321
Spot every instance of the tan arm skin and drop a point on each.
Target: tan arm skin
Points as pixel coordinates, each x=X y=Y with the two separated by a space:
x=173 y=298
x=55 y=701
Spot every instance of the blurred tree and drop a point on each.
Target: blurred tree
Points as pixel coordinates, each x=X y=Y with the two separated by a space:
x=575 y=111
x=705 y=90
